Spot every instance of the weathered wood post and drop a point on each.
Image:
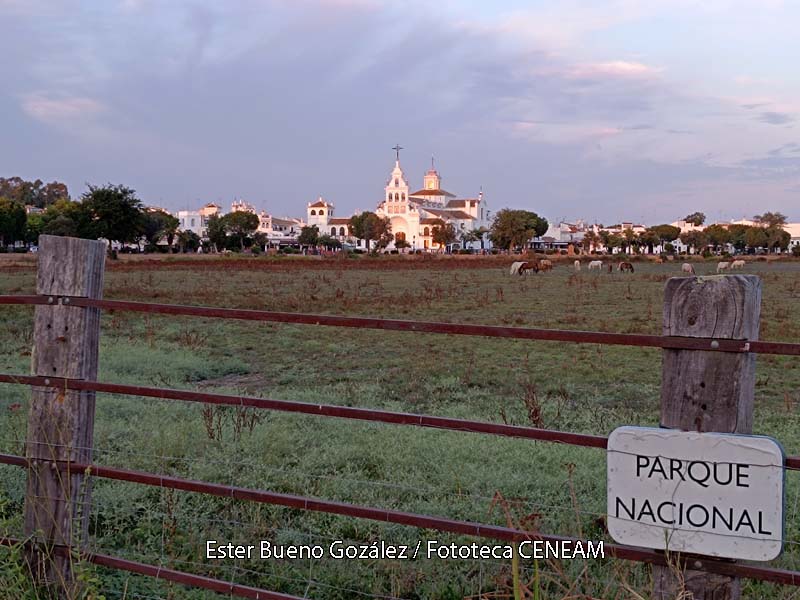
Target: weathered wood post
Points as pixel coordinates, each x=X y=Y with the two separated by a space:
x=61 y=422
x=708 y=391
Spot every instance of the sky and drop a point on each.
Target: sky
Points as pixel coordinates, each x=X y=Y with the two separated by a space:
x=614 y=110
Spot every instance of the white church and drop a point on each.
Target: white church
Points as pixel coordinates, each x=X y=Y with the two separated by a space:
x=412 y=215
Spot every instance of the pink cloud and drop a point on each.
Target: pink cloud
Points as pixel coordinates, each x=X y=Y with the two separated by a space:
x=60 y=109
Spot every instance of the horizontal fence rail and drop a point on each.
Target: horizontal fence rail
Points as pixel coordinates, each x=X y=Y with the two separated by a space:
x=159 y=572
x=479 y=530
x=329 y=410
x=496 y=331
x=467 y=528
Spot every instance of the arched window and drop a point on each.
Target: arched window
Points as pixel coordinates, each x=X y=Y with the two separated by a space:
x=313 y=212
x=396 y=182
x=403 y=195
x=321 y=212
x=427 y=231
x=396 y=196
x=399 y=236
x=333 y=230
x=341 y=231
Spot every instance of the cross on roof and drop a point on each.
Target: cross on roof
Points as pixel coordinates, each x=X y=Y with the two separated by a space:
x=397 y=149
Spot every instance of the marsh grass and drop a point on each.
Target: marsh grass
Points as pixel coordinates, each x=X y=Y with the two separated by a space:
x=577 y=387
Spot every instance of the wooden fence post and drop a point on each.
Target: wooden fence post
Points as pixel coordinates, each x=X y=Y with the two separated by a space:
x=61 y=422
x=708 y=391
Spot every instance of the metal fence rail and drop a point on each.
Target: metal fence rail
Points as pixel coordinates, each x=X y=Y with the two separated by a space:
x=496 y=331
x=722 y=567
x=468 y=528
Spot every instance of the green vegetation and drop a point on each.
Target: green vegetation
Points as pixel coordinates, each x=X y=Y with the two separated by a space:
x=513 y=228
x=584 y=388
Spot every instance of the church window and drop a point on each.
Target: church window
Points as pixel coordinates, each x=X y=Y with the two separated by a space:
x=403 y=195
x=313 y=212
x=333 y=230
x=396 y=182
x=341 y=230
x=400 y=235
x=321 y=212
x=426 y=231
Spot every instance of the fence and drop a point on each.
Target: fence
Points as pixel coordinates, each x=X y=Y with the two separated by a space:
x=711 y=330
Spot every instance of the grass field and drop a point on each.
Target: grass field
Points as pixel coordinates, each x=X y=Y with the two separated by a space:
x=560 y=489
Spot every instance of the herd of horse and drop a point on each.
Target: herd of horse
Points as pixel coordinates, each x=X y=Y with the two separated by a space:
x=542 y=265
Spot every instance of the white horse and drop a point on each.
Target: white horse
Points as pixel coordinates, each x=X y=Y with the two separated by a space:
x=596 y=264
x=577 y=265
x=737 y=264
x=723 y=266
x=687 y=268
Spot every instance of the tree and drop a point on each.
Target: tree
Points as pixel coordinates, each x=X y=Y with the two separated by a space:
x=513 y=228
x=770 y=219
x=718 y=236
x=696 y=219
x=34 y=224
x=32 y=193
x=309 y=235
x=467 y=237
x=12 y=221
x=402 y=243
x=696 y=240
x=650 y=239
x=777 y=238
x=368 y=226
x=188 y=241
x=755 y=237
x=329 y=242
x=590 y=240
x=666 y=233
x=115 y=211
x=240 y=225
x=157 y=224
x=480 y=235
x=629 y=239
x=216 y=232
x=736 y=236
x=614 y=240
x=443 y=234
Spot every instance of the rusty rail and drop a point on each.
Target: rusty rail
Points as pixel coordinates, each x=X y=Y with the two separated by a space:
x=495 y=331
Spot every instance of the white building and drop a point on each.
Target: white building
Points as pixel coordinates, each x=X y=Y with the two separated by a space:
x=197 y=220
x=413 y=215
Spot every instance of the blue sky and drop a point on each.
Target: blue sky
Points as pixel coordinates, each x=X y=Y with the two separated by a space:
x=609 y=111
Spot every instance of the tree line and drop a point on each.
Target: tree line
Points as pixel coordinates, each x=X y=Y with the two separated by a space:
x=767 y=234
x=115 y=213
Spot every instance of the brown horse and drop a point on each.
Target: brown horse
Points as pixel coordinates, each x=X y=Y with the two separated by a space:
x=625 y=267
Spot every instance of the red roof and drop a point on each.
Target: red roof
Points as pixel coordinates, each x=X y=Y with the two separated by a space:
x=339 y=221
x=319 y=203
x=434 y=193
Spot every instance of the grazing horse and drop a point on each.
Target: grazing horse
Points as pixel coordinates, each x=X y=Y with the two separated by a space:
x=523 y=267
x=625 y=267
x=577 y=265
x=595 y=264
x=545 y=265
x=737 y=264
x=687 y=268
x=723 y=266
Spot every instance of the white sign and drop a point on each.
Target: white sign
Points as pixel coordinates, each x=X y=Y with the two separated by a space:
x=705 y=493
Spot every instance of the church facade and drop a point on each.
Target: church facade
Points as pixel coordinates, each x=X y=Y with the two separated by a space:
x=412 y=216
